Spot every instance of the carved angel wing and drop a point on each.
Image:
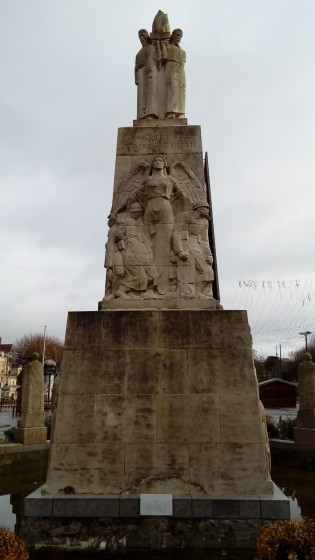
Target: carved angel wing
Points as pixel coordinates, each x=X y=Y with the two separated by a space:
x=128 y=185
x=188 y=182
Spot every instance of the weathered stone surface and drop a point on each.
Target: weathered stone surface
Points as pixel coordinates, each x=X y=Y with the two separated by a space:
x=31 y=428
x=156 y=466
x=172 y=140
x=127 y=419
x=30 y=436
x=152 y=371
x=221 y=469
x=247 y=428
x=199 y=414
x=167 y=423
x=230 y=362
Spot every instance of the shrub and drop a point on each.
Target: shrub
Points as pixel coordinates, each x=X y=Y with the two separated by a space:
x=271 y=427
x=287 y=540
x=285 y=428
x=9 y=434
x=11 y=546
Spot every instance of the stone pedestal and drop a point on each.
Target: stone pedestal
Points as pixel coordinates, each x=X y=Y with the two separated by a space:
x=30 y=436
x=159 y=401
x=304 y=436
x=31 y=429
x=151 y=403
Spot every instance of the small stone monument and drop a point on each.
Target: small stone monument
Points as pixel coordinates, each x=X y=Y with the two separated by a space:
x=304 y=433
x=31 y=427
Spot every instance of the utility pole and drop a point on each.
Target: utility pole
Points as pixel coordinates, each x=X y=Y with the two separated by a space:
x=305 y=335
x=44 y=345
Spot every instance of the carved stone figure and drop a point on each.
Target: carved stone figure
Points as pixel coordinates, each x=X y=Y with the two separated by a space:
x=306 y=379
x=113 y=258
x=139 y=270
x=175 y=83
x=156 y=193
x=191 y=245
x=164 y=194
x=160 y=73
x=146 y=78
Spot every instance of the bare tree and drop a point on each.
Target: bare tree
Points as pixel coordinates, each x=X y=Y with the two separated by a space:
x=24 y=348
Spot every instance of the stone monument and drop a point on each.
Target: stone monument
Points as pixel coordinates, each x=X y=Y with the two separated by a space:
x=158 y=426
x=31 y=429
x=304 y=433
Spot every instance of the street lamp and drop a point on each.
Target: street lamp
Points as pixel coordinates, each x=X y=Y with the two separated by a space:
x=305 y=334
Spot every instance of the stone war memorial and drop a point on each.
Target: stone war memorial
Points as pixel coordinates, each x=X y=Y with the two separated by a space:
x=169 y=447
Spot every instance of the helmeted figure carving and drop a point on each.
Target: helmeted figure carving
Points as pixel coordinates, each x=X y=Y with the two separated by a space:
x=138 y=268
x=191 y=245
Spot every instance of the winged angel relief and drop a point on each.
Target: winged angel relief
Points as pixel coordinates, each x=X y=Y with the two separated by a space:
x=158 y=244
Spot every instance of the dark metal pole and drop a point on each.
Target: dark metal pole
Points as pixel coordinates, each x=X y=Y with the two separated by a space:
x=305 y=334
x=216 y=289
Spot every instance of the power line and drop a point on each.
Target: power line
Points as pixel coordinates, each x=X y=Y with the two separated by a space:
x=52 y=270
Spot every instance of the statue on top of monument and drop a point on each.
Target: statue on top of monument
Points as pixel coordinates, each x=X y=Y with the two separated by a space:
x=175 y=77
x=160 y=73
x=146 y=78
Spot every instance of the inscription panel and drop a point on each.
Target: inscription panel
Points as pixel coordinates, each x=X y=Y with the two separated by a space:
x=184 y=139
x=156 y=504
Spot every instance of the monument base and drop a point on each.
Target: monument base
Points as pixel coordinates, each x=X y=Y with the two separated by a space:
x=172 y=406
x=160 y=122
x=304 y=436
x=30 y=436
x=116 y=523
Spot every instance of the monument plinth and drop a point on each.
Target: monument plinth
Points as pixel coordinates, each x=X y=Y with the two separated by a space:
x=158 y=412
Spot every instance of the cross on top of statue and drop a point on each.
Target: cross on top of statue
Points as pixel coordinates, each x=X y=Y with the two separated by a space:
x=159 y=72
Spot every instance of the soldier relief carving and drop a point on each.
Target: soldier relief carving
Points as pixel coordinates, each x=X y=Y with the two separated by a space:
x=158 y=245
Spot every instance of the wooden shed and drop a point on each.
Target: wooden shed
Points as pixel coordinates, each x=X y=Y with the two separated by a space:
x=276 y=392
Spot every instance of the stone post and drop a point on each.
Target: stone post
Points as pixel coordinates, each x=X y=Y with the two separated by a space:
x=304 y=433
x=31 y=427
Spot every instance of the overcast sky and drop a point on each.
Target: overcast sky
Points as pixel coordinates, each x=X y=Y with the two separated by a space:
x=67 y=84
